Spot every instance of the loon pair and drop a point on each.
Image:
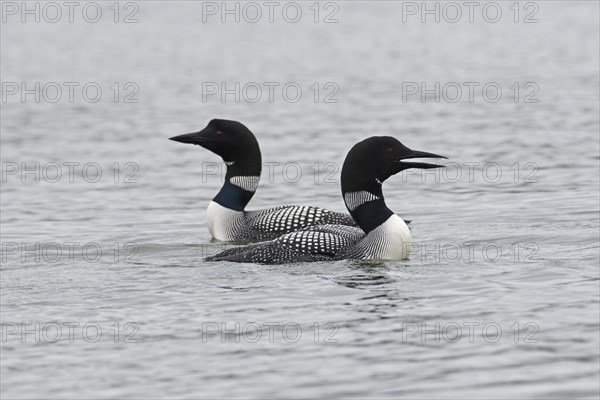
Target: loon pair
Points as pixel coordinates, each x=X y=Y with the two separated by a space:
x=309 y=233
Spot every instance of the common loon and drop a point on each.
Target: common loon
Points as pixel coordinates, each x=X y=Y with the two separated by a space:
x=227 y=219
x=382 y=234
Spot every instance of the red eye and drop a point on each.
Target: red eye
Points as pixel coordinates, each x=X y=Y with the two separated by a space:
x=219 y=133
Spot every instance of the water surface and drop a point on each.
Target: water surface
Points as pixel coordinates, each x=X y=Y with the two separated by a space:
x=500 y=298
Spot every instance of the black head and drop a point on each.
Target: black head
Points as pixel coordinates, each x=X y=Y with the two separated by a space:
x=370 y=162
x=229 y=139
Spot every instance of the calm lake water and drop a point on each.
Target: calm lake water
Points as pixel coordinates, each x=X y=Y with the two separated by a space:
x=104 y=292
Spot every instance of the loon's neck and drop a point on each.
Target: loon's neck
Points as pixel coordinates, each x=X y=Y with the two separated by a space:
x=368 y=207
x=240 y=185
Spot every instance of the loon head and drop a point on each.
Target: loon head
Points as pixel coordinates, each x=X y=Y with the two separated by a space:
x=368 y=164
x=232 y=141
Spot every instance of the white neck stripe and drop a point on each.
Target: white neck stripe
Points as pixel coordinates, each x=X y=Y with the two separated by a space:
x=249 y=183
x=354 y=200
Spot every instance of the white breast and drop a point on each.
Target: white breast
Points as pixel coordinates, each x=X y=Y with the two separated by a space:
x=222 y=221
x=389 y=241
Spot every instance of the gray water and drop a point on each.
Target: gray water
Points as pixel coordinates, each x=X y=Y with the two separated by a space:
x=499 y=299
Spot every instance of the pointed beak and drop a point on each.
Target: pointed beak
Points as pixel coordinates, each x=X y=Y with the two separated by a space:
x=419 y=154
x=191 y=138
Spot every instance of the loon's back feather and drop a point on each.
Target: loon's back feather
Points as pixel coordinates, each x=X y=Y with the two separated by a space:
x=285 y=219
x=260 y=225
x=315 y=243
